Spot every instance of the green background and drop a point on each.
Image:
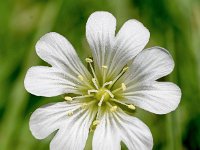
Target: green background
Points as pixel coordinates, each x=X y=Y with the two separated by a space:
x=173 y=24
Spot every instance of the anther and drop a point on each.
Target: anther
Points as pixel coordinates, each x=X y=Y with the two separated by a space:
x=68 y=98
x=113 y=108
x=95 y=123
x=123 y=87
x=80 y=77
x=125 y=69
x=70 y=113
x=107 y=83
x=92 y=91
x=105 y=67
x=88 y=60
x=110 y=93
x=131 y=107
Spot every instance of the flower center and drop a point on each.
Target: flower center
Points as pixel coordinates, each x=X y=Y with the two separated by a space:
x=102 y=92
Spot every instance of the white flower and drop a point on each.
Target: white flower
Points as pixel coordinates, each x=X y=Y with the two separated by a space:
x=120 y=76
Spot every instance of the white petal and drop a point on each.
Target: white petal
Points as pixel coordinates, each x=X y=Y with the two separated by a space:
x=130 y=40
x=74 y=132
x=106 y=134
x=116 y=127
x=141 y=90
x=48 y=81
x=156 y=97
x=49 y=118
x=108 y=50
x=57 y=51
x=150 y=64
x=100 y=32
x=134 y=133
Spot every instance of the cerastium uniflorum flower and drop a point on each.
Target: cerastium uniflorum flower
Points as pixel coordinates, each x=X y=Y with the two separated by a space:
x=120 y=77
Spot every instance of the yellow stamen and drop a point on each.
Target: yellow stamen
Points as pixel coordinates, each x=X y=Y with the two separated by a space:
x=95 y=123
x=131 y=107
x=107 y=83
x=105 y=67
x=110 y=93
x=68 y=98
x=113 y=109
x=101 y=101
x=92 y=91
x=123 y=87
x=125 y=69
x=95 y=83
x=93 y=72
x=83 y=96
x=118 y=76
x=88 y=60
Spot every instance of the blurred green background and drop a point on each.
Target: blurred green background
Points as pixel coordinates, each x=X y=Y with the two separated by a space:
x=174 y=25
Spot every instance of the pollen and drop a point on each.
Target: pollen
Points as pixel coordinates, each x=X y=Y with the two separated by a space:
x=123 y=87
x=68 y=98
x=80 y=77
x=131 y=107
x=88 y=60
x=113 y=109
